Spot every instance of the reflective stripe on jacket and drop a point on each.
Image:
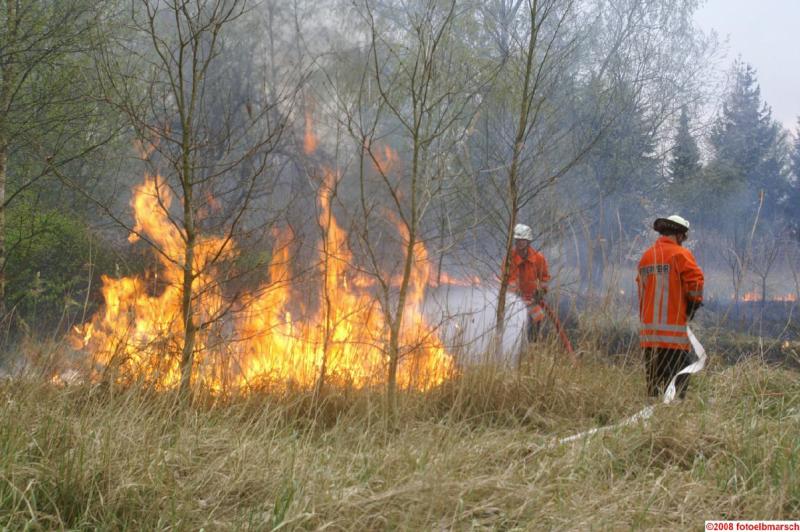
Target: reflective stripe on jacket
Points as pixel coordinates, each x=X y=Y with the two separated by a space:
x=668 y=278
x=528 y=275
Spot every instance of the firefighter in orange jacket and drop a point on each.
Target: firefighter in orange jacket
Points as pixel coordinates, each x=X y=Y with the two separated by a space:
x=670 y=287
x=528 y=277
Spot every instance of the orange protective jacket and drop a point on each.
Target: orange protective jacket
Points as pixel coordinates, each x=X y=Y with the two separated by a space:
x=528 y=275
x=668 y=279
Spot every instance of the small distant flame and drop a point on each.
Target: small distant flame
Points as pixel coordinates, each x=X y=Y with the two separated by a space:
x=144 y=148
x=66 y=378
x=754 y=296
x=213 y=203
x=310 y=137
x=446 y=278
x=386 y=161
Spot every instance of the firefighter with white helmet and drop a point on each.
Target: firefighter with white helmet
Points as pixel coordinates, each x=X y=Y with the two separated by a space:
x=528 y=277
x=523 y=232
x=670 y=286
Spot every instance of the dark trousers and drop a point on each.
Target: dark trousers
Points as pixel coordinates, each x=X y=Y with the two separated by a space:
x=533 y=330
x=661 y=365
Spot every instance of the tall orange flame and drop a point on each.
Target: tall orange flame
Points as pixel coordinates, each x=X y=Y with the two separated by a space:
x=138 y=334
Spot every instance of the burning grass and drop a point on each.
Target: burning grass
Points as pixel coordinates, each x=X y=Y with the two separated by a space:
x=476 y=452
x=139 y=335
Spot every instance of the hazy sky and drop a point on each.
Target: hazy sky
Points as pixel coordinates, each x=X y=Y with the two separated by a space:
x=766 y=33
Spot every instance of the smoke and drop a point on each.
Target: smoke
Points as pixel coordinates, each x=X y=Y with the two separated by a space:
x=467 y=318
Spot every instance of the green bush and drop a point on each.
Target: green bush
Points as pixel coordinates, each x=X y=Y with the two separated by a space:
x=48 y=264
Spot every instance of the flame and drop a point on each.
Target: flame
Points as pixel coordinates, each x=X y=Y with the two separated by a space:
x=310 y=139
x=273 y=339
x=446 y=278
x=137 y=333
x=754 y=296
x=344 y=339
x=144 y=148
x=386 y=161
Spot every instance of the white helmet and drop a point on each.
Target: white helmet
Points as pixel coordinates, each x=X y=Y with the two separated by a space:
x=523 y=232
x=672 y=222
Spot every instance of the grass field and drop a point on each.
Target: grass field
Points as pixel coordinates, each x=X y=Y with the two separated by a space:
x=477 y=453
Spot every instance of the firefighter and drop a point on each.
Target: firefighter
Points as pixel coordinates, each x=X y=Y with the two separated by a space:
x=670 y=285
x=528 y=277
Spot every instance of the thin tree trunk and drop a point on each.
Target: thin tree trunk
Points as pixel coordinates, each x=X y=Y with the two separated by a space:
x=513 y=174
x=326 y=301
x=397 y=323
x=3 y=166
x=187 y=312
x=6 y=90
x=187 y=306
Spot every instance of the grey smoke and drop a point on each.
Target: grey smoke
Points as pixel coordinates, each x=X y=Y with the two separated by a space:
x=466 y=317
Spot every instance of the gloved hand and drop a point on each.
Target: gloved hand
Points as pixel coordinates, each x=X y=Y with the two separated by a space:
x=691 y=308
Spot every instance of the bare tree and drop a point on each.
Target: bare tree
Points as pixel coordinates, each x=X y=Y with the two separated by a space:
x=540 y=57
x=768 y=248
x=735 y=256
x=573 y=73
x=793 y=258
x=209 y=135
x=412 y=106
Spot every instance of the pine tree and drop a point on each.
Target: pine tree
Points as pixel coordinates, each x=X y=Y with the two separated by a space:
x=796 y=155
x=685 y=162
x=685 y=174
x=792 y=206
x=749 y=150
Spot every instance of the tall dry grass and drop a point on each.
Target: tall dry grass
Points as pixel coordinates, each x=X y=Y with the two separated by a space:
x=479 y=452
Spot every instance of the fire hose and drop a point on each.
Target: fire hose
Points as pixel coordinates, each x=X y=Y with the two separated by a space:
x=669 y=394
x=537 y=313
x=557 y=324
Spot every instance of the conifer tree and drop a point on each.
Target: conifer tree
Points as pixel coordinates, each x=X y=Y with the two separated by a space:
x=796 y=154
x=749 y=151
x=792 y=207
x=685 y=161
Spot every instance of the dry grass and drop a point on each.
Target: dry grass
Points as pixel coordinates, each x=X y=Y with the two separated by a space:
x=477 y=453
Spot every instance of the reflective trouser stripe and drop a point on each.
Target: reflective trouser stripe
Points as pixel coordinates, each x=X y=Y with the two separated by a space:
x=662 y=327
x=695 y=293
x=680 y=340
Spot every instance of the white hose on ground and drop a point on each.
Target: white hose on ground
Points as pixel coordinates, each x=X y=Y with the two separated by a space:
x=647 y=412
